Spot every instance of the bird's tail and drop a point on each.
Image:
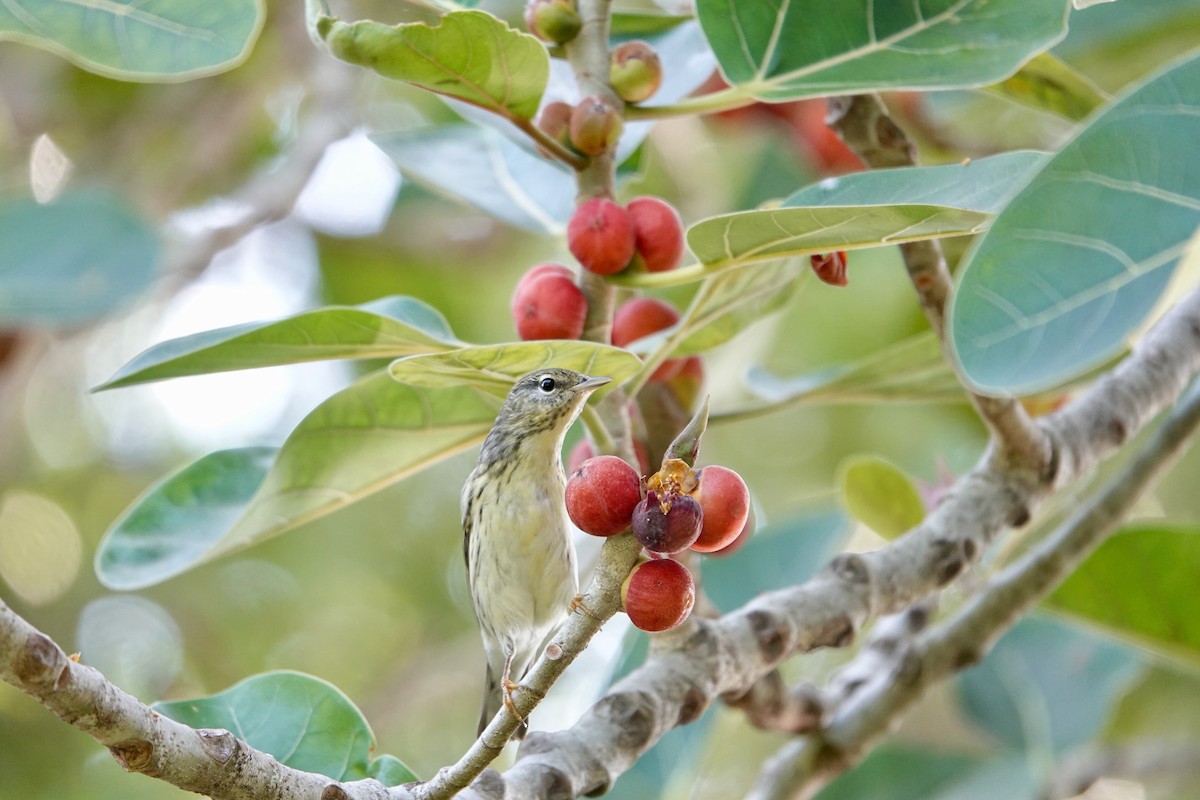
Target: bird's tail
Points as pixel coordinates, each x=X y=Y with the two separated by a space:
x=492 y=701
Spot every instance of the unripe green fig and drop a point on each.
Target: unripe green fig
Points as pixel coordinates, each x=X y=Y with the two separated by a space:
x=635 y=71
x=554 y=21
x=595 y=126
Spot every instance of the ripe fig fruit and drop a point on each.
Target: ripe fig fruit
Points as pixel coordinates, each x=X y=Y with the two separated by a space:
x=643 y=316
x=549 y=306
x=602 y=494
x=595 y=126
x=658 y=594
x=831 y=267
x=725 y=501
x=554 y=21
x=600 y=236
x=657 y=231
x=668 y=523
x=635 y=72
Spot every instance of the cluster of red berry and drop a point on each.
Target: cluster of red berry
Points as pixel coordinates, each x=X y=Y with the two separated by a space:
x=646 y=234
x=675 y=509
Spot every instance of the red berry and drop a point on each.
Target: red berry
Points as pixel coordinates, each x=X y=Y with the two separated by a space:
x=595 y=126
x=600 y=235
x=657 y=231
x=658 y=594
x=667 y=524
x=635 y=72
x=602 y=494
x=725 y=500
x=743 y=536
x=643 y=316
x=549 y=306
x=830 y=267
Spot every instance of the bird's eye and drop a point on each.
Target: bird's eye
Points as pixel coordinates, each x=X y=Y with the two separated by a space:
x=547 y=385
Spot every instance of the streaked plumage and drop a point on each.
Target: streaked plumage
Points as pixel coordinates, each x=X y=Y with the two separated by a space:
x=520 y=559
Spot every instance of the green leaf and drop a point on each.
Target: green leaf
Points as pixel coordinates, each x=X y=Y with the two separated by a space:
x=782 y=51
x=73 y=260
x=483 y=168
x=493 y=368
x=934 y=775
x=1047 y=686
x=175 y=522
x=1140 y=585
x=775 y=557
x=1051 y=84
x=983 y=184
x=1046 y=295
x=306 y=723
x=159 y=40
x=911 y=370
x=879 y=495
x=470 y=55
x=385 y=328
x=729 y=302
x=362 y=439
x=746 y=237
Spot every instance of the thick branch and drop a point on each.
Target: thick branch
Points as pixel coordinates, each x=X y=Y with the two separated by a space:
x=806 y=764
x=211 y=762
x=728 y=655
x=863 y=123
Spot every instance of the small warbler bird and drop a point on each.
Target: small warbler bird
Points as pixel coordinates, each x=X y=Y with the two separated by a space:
x=520 y=558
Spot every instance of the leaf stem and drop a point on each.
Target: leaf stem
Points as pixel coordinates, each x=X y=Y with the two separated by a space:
x=555 y=148
x=712 y=103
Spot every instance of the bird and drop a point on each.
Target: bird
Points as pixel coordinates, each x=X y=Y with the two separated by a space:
x=521 y=563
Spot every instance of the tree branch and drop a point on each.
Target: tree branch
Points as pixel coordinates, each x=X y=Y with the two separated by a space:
x=211 y=762
x=804 y=766
x=728 y=655
x=863 y=123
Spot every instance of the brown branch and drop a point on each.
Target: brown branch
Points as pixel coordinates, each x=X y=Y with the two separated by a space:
x=863 y=123
x=805 y=765
x=211 y=762
x=729 y=655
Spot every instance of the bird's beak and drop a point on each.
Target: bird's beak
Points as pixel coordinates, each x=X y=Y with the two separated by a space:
x=590 y=384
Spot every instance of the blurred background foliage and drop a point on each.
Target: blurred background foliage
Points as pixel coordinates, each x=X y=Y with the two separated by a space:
x=373 y=599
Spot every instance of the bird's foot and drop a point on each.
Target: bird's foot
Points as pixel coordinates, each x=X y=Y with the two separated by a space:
x=578 y=605
x=506 y=694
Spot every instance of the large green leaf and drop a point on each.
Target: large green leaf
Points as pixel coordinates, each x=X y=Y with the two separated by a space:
x=1051 y=84
x=73 y=260
x=784 y=50
x=1047 y=686
x=482 y=167
x=305 y=722
x=139 y=40
x=171 y=527
x=911 y=370
x=771 y=233
x=934 y=774
x=493 y=368
x=469 y=55
x=983 y=184
x=385 y=328
x=362 y=439
x=1141 y=585
x=1079 y=257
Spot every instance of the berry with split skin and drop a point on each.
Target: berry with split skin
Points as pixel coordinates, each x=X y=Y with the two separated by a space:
x=725 y=501
x=595 y=126
x=658 y=594
x=549 y=305
x=830 y=267
x=602 y=494
x=635 y=71
x=667 y=523
x=600 y=235
x=555 y=21
x=641 y=317
x=658 y=233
